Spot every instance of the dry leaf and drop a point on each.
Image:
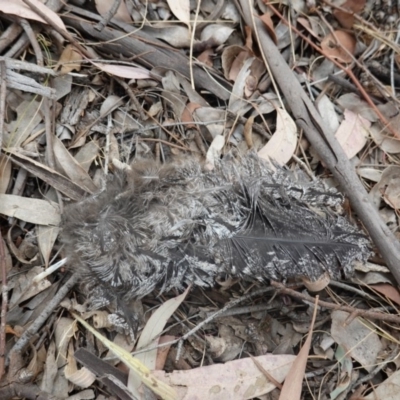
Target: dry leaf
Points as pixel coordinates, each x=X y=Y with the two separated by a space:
x=360 y=341
x=387 y=290
x=50 y=370
x=19 y=8
x=181 y=10
x=71 y=167
x=234 y=380
x=35 y=211
x=28 y=118
x=187 y=115
x=48 y=175
x=389 y=186
x=387 y=390
x=327 y=110
x=149 y=379
x=353 y=102
x=291 y=389
x=269 y=25
x=176 y=35
x=352 y=133
x=46 y=236
x=283 y=142
x=385 y=142
x=346 y=19
x=5 y=172
x=237 y=103
x=217 y=33
x=342 y=51
x=124 y=71
x=153 y=329
x=233 y=58
x=248 y=132
x=69 y=60
x=214 y=151
x=81 y=377
x=122 y=14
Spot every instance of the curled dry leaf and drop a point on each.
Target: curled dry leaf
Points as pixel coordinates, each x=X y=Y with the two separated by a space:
x=5 y=172
x=281 y=146
x=214 y=151
x=213 y=118
x=342 y=51
x=237 y=103
x=69 y=60
x=232 y=59
x=80 y=377
x=248 y=131
x=181 y=10
x=20 y=9
x=389 y=186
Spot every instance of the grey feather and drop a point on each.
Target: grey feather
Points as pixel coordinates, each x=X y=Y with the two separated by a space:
x=166 y=226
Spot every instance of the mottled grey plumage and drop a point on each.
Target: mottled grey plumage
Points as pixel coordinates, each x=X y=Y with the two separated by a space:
x=165 y=226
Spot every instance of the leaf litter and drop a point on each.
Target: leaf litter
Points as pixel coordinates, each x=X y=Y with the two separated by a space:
x=88 y=86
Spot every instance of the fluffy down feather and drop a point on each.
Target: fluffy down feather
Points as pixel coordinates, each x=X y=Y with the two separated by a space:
x=165 y=226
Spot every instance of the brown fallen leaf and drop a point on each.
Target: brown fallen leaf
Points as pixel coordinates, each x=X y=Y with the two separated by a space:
x=234 y=380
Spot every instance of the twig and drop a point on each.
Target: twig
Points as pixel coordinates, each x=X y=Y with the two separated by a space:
x=107 y=17
x=353 y=311
x=23 y=341
x=4 y=304
x=32 y=38
x=3 y=92
x=65 y=34
x=9 y=35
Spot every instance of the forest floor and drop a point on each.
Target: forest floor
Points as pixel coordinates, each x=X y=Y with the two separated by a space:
x=88 y=86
